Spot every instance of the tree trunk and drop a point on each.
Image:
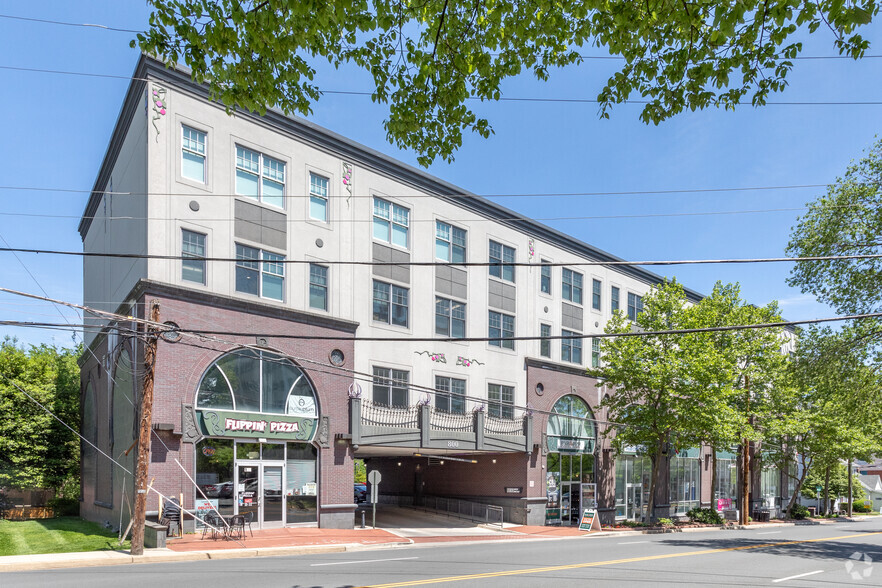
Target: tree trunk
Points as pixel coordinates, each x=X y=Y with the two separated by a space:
x=800 y=480
x=713 y=492
x=653 y=482
x=745 y=482
x=827 y=490
x=850 y=489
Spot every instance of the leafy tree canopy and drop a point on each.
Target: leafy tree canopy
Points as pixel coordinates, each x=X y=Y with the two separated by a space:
x=35 y=449
x=428 y=58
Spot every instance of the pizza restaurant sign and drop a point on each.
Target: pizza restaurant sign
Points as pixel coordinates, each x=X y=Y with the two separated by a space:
x=223 y=423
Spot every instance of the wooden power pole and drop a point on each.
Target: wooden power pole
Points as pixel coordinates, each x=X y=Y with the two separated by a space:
x=144 y=426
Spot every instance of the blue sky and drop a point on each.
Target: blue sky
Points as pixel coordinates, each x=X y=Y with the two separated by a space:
x=56 y=129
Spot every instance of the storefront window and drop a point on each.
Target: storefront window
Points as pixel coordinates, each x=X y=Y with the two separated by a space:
x=726 y=490
x=570 y=462
x=685 y=485
x=300 y=483
x=214 y=476
x=769 y=486
x=257 y=381
x=633 y=475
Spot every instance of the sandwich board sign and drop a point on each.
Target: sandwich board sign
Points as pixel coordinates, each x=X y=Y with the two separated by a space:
x=589 y=521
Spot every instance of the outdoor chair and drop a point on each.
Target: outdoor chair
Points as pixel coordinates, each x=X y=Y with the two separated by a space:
x=248 y=517
x=237 y=526
x=171 y=518
x=214 y=525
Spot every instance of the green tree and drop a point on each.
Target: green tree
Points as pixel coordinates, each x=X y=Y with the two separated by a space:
x=429 y=58
x=35 y=449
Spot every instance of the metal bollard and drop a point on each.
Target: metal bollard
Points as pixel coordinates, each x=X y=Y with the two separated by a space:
x=362 y=519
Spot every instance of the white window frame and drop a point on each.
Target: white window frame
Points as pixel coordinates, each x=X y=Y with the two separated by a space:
x=596 y=294
x=449 y=316
x=325 y=286
x=595 y=352
x=545 y=271
x=317 y=196
x=266 y=262
x=500 y=266
x=635 y=305
x=570 y=346
x=195 y=152
x=261 y=175
x=191 y=257
x=500 y=401
x=390 y=303
x=391 y=220
x=450 y=239
x=448 y=400
x=387 y=378
x=501 y=330
x=615 y=298
x=545 y=341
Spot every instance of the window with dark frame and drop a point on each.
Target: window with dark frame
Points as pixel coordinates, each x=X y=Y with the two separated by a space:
x=318 y=286
x=635 y=305
x=595 y=352
x=614 y=298
x=596 y=285
x=260 y=272
x=545 y=278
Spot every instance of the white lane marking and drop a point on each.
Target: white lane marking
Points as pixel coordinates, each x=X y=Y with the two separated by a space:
x=770 y=533
x=343 y=563
x=798 y=576
x=633 y=542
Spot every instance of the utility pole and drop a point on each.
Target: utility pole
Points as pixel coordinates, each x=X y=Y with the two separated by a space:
x=745 y=464
x=850 y=490
x=144 y=426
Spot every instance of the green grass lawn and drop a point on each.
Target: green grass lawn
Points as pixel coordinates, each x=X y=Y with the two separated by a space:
x=61 y=535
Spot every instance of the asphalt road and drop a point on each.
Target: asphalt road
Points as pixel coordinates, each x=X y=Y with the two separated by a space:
x=821 y=555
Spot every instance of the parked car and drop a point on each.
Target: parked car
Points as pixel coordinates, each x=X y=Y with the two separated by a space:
x=360 y=492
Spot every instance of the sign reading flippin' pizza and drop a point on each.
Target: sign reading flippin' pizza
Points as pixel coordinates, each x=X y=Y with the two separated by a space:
x=224 y=423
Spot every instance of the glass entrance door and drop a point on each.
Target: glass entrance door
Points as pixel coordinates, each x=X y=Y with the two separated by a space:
x=634 y=502
x=259 y=491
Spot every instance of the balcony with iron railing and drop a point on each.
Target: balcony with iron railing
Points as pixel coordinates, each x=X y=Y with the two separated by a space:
x=426 y=427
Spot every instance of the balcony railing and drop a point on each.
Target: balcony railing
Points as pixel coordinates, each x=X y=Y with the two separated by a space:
x=425 y=426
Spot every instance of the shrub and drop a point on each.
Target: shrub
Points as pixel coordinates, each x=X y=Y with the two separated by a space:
x=707 y=516
x=64 y=507
x=799 y=512
x=863 y=506
x=666 y=522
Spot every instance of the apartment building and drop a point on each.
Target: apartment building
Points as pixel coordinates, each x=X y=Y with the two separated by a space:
x=326 y=315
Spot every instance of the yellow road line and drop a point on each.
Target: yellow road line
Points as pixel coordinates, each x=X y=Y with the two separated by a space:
x=608 y=562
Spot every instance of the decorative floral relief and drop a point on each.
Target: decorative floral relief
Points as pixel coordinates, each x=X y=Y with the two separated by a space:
x=347 y=179
x=439 y=357
x=159 y=107
x=532 y=247
x=460 y=360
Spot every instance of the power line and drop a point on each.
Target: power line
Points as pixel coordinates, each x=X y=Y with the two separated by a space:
x=448 y=264
x=70 y=24
x=463 y=195
x=472 y=98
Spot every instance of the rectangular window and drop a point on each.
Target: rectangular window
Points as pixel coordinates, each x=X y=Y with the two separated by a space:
x=545 y=343
x=451 y=394
x=596 y=285
x=450 y=318
x=450 y=243
x=614 y=299
x=501 y=325
x=635 y=305
x=595 y=352
x=318 y=197
x=571 y=349
x=260 y=272
x=500 y=256
x=545 y=278
x=391 y=222
x=193 y=252
x=501 y=401
x=318 y=286
x=193 y=154
x=390 y=304
x=260 y=177
x=390 y=386
x=572 y=286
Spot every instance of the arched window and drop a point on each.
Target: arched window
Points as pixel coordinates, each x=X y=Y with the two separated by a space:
x=257 y=381
x=573 y=422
